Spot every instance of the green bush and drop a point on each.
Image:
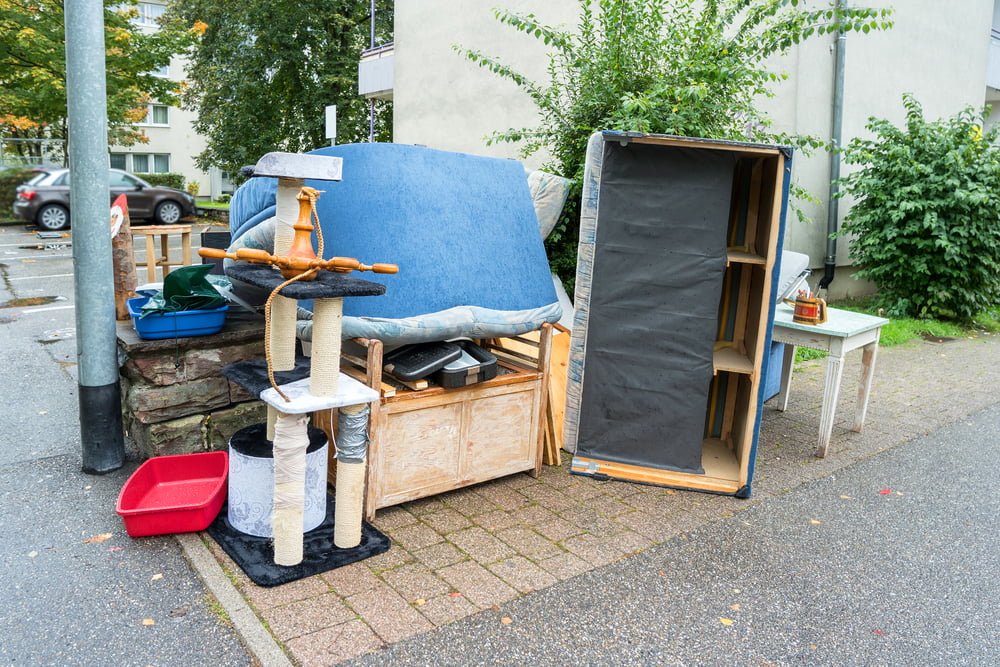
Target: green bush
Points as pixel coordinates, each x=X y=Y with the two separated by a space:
x=9 y=180
x=926 y=224
x=167 y=180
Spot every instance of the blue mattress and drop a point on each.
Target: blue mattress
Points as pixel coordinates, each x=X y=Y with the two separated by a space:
x=462 y=229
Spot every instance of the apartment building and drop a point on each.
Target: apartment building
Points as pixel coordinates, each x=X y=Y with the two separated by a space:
x=173 y=143
x=943 y=53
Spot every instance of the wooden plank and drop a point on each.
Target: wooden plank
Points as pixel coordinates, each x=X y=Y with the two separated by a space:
x=721 y=470
x=556 y=414
x=415 y=385
x=753 y=206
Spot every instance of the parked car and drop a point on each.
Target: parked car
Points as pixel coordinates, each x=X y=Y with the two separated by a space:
x=44 y=200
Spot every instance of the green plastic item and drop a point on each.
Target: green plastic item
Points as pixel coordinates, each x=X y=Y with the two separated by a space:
x=186 y=288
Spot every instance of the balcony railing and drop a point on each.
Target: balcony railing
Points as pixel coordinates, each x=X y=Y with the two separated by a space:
x=375 y=73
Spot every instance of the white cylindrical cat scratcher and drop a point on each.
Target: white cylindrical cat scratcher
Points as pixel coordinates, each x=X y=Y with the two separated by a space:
x=251 y=481
x=352 y=450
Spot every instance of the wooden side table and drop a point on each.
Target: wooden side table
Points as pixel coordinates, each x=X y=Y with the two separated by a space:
x=163 y=232
x=842 y=332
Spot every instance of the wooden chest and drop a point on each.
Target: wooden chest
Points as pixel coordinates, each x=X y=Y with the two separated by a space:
x=428 y=441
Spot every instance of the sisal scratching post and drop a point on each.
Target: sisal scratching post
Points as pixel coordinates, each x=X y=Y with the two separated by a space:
x=325 y=367
x=352 y=449
x=291 y=440
x=286 y=212
x=283 y=309
x=282 y=340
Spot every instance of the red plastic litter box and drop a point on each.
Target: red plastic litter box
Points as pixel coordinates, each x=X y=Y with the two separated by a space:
x=174 y=494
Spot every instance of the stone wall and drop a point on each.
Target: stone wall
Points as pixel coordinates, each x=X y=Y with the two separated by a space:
x=175 y=399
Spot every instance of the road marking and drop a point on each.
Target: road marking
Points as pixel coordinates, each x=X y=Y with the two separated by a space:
x=36 y=258
x=24 y=311
x=54 y=275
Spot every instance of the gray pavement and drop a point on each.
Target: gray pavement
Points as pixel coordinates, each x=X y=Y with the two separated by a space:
x=66 y=598
x=890 y=561
x=818 y=568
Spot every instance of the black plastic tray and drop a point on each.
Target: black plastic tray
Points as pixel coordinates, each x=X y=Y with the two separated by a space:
x=474 y=366
x=420 y=360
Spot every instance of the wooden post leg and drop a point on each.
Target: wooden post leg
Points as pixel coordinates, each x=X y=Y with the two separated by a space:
x=787 y=366
x=165 y=253
x=831 y=391
x=868 y=354
x=186 y=248
x=150 y=258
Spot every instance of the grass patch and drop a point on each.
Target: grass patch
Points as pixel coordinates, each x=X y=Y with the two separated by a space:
x=213 y=204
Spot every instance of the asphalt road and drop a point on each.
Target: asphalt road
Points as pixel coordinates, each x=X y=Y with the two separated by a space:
x=74 y=588
x=892 y=561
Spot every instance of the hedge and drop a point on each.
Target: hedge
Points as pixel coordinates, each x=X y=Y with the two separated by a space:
x=167 y=180
x=9 y=180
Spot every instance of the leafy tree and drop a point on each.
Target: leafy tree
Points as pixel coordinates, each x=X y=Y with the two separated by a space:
x=683 y=67
x=33 y=69
x=263 y=71
x=926 y=223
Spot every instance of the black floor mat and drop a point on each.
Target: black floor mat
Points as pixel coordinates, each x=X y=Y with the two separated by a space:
x=255 y=555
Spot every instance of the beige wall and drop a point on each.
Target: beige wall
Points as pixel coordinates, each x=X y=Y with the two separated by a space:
x=444 y=101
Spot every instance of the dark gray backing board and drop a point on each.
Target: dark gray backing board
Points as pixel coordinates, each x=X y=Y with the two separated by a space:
x=660 y=254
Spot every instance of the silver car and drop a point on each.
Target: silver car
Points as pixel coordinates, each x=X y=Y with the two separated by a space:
x=44 y=200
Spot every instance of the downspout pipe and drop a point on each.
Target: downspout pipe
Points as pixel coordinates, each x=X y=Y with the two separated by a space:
x=836 y=133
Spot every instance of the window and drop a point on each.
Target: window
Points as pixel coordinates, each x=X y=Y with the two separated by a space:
x=141 y=163
x=149 y=13
x=158 y=114
x=162 y=72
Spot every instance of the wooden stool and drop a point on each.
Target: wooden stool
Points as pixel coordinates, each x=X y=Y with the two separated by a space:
x=163 y=232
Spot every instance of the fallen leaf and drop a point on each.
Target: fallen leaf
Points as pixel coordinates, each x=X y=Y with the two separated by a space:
x=43 y=412
x=148 y=621
x=455 y=595
x=813 y=646
x=726 y=621
x=420 y=602
x=671 y=493
x=662 y=573
x=885 y=492
x=116 y=548
x=177 y=612
x=814 y=521
x=845 y=497
x=878 y=632
x=156 y=576
x=736 y=590
x=734 y=607
x=898 y=493
x=32 y=554
x=506 y=620
x=97 y=539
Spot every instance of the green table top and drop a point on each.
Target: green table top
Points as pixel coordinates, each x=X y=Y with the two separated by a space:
x=839 y=323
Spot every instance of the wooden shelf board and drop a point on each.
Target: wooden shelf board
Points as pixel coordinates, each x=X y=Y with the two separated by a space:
x=743 y=257
x=722 y=471
x=729 y=359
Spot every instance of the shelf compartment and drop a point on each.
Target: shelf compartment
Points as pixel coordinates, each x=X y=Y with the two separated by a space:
x=732 y=360
x=722 y=470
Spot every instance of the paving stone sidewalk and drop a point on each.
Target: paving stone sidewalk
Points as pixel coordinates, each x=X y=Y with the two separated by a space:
x=469 y=550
